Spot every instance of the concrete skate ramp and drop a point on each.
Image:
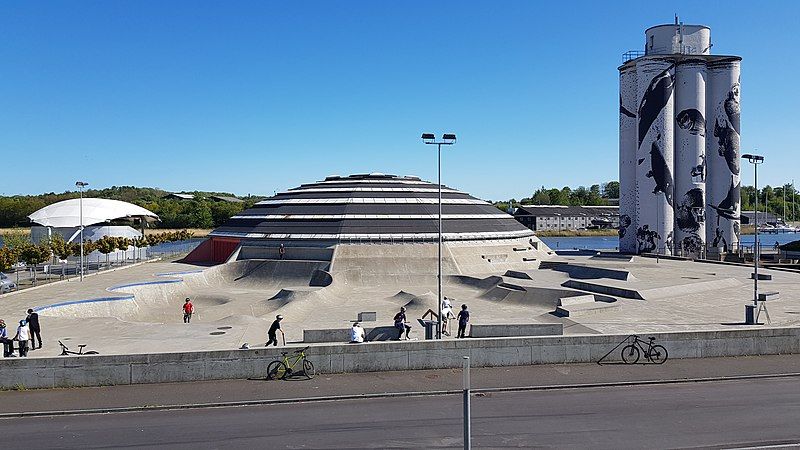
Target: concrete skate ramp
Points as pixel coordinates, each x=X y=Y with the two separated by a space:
x=509 y=293
x=258 y=273
x=581 y=272
x=473 y=282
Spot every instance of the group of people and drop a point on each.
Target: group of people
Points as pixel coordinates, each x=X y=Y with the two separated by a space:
x=401 y=323
x=27 y=330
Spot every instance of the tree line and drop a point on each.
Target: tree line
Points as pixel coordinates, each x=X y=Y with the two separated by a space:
x=770 y=199
x=594 y=195
x=17 y=247
x=198 y=213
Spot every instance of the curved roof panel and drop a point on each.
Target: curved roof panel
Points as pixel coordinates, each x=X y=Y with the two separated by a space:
x=371 y=206
x=67 y=213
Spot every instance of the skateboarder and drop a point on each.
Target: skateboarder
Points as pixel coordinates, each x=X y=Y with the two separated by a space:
x=35 y=329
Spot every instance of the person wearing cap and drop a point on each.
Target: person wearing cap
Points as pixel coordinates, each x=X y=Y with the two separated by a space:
x=356 y=334
x=34 y=327
x=188 y=309
x=22 y=336
x=273 y=331
x=401 y=325
x=463 y=320
x=8 y=344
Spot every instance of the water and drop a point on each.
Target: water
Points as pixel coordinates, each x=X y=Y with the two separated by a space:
x=612 y=242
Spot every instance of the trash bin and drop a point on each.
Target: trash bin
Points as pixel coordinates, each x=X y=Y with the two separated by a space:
x=430 y=328
x=750 y=314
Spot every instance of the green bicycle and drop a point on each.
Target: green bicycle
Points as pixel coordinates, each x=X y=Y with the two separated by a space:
x=283 y=368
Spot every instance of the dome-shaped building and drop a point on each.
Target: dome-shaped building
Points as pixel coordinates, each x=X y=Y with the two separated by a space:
x=363 y=209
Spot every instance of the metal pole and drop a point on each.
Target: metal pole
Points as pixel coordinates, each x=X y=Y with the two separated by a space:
x=439 y=318
x=755 y=249
x=467 y=412
x=80 y=188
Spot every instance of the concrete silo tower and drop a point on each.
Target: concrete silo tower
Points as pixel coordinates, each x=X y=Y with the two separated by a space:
x=679 y=144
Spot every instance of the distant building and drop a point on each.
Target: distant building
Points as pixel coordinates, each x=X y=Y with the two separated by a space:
x=560 y=218
x=177 y=196
x=763 y=217
x=223 y=198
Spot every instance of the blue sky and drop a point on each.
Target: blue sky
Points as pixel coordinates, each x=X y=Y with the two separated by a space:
x=253 y=97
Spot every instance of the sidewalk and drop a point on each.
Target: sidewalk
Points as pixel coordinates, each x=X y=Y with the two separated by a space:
x=385 y=382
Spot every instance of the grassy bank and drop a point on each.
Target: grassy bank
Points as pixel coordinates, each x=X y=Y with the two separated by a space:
x=576 y=233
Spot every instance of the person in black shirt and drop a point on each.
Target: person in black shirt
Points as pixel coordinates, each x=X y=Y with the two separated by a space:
x=33 y=326
x=463 y=320
x=273 y=332
x=401 y=325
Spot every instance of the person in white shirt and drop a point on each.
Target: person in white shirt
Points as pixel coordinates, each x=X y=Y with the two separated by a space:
x=356 y=334
x=22 y=337
x=447 y=314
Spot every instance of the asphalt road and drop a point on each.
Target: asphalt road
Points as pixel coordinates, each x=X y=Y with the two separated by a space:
x=726 y=414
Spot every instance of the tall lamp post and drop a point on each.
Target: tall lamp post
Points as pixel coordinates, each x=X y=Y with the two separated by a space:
x=447 y=139
x=81 y=185
x=755 y=160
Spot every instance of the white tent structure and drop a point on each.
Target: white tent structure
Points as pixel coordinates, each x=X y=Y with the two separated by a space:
x=64 y=218
x=67 y=213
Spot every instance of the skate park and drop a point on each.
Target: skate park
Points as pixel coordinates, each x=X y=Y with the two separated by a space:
x=513 y=284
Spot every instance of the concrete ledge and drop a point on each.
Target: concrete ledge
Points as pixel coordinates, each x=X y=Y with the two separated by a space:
x=343 y=334
x=379 y=356
x=516 y=329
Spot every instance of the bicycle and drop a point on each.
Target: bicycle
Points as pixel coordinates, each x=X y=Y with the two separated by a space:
x=283 y=368
x=65 y=351
x=654 y=353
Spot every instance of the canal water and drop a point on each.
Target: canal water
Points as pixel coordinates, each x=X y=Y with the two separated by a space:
x=612 y=242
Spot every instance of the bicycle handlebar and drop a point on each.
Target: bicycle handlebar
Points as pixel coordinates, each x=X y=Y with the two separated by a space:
x=302 y=349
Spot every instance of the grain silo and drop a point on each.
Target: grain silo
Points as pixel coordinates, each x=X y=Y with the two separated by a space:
x=679 y=163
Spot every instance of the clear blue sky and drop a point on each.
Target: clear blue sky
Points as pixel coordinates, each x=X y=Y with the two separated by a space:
x=252 y=97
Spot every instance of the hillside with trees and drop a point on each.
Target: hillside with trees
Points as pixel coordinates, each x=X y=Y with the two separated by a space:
x=770 y=198
x=198 y=213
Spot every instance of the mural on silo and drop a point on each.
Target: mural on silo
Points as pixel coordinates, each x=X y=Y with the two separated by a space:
x=681 y=190
x=655 y=185
x=627 y=160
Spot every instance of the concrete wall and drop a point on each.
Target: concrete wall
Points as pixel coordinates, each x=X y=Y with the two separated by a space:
x=379 y=356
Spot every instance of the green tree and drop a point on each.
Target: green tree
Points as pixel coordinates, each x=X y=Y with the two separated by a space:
x=611 y=189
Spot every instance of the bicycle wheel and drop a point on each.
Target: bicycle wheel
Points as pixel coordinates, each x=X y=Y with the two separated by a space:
x=630 y=354
x=658 y=354
x=308 y=369
x=276 y=370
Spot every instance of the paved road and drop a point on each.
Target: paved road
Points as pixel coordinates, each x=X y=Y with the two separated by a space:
x=324 y=385
x=727 y=414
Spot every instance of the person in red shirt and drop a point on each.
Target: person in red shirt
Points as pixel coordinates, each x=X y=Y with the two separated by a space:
x=188 y=309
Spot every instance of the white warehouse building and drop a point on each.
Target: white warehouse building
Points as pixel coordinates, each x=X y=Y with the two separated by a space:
x=679 y=132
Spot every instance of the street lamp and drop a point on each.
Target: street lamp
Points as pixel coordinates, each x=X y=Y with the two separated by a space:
x=447 y=139
x=80 y=185
x=755 y=160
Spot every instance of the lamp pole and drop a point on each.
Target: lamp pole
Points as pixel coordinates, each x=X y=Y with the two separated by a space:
x=447 y=139
x=755 y=160
x=81 y=185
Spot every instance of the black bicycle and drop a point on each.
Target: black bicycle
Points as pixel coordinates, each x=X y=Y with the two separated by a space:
x=285 y=367
x=654 y=353
x=65 y=351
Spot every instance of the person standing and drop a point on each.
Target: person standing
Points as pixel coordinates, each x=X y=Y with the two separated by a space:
x=273 y=332
x=22 y=336
x=8 y=344
x=401 y=325
x=282 y=251
x=188 y=310
x=356 y=334
x=463 y=320
x=34 y=328
x=447 y=314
